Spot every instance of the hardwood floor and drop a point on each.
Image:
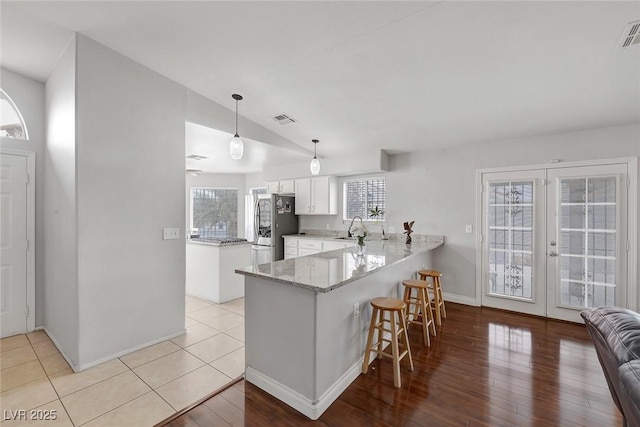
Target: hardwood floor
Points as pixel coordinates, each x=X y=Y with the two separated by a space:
x=484 y=368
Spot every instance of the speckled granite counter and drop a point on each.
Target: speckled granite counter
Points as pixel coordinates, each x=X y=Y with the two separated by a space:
x=306 y=318
x=330 y=270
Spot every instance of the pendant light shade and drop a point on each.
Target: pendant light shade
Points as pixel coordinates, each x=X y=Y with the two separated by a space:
x=314 y=167
x=236 y=147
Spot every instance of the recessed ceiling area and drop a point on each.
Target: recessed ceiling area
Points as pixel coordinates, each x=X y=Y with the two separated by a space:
x=214 y=145
x=392 y=75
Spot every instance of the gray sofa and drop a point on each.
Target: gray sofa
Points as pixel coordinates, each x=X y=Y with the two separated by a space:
x=615 y=333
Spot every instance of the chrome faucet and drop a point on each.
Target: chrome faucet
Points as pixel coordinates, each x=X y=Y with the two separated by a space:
x=351 y=225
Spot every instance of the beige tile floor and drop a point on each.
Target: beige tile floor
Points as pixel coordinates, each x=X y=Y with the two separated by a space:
x=139 y=389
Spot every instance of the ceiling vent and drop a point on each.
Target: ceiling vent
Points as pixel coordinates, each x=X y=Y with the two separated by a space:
x=196 y=157
x=631 y=35
x=283 y=119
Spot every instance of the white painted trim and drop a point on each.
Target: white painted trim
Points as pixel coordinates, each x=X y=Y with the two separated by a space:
x=632 y=230
x=79 y=368
x=461 y=299
x=307 y=407
x=31 y=231
x=479 y=234
x=559 y=165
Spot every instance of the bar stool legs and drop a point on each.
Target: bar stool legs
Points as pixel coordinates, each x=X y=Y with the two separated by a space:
x=419 y=307
x=436 y=288
x=398 y=330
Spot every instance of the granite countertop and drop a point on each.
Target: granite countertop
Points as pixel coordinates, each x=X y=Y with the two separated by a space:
x=326 y=271
x=217 y=244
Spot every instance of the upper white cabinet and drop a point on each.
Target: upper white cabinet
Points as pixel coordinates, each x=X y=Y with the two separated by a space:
x=281 y=187
x=317 y=195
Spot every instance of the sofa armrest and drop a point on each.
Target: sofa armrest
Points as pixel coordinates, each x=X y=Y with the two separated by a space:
x=630 y=392
x=615 y=333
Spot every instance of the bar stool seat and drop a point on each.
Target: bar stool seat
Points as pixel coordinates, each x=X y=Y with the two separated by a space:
x=436 y=288
x=421 y=307
x=394 y=307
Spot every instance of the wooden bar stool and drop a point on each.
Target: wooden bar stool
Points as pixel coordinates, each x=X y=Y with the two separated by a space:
x=394 y=307
x=421 y=307
x=436 y=287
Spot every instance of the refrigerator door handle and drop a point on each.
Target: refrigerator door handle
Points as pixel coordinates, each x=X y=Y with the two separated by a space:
x=256 y=222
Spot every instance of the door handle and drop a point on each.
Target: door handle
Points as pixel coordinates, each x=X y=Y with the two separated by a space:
x=553 y=254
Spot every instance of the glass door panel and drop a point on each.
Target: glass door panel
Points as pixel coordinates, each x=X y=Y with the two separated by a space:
x=584 y=244
x=512 y=203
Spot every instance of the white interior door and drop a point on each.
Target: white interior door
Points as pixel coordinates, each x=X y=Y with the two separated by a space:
x=13 y=245
x=587 y=239
x=513 y=241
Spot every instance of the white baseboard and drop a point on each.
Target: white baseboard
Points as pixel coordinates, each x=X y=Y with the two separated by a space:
x=78 y=368
x=311 y=409
x=460 y=299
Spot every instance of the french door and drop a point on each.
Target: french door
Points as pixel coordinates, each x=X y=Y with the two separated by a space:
x=554 y=241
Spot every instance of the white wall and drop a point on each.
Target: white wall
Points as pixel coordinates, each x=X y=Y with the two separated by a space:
x=237 y=181
x=253 y=180
x=437 y=189
x=28 y=95
x=61 y=312
x=130 y=184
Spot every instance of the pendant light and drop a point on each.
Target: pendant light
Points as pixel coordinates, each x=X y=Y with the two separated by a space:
x=236 y=148
x=315 y=163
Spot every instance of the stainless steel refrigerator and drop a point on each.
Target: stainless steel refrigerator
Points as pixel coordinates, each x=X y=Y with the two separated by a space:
x=274 y=216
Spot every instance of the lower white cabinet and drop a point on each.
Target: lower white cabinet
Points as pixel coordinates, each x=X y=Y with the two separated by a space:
x=295 y=246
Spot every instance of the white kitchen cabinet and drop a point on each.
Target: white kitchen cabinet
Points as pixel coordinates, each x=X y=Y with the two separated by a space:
x=332 y=245
x=309 y=246
x=290 y=247
x=281 y=187
x=295 y=246
x=316 y=195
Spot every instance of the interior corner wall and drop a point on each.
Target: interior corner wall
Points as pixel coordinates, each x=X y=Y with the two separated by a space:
x=237 y=181
x=130 y=185
x=29 y=97
x=60 y=291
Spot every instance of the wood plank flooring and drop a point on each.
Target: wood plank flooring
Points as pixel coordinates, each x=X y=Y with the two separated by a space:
x=485 y=368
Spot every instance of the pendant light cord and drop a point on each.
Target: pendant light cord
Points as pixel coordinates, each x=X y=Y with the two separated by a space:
x=236 y=117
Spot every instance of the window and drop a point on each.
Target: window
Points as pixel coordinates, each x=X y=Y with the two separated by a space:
x=214 y=212
x=11 y=124
x=257 y=190
x=361 y=195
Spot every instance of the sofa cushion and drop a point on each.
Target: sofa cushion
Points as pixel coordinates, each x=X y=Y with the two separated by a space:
x=615 y=333
x=630 y=392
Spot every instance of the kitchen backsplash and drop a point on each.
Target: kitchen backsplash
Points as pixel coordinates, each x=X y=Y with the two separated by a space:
x=372 y=235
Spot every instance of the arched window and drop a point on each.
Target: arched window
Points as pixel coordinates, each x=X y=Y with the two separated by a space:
x=11 y=121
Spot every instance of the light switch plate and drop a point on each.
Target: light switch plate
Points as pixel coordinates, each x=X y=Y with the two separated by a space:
x=170 y=233
x=392 y=229
x=468 y=228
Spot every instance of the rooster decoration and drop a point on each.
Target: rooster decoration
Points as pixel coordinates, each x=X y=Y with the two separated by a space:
x=408 y=231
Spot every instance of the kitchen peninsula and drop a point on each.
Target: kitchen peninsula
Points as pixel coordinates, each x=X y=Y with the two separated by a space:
x=306 y=318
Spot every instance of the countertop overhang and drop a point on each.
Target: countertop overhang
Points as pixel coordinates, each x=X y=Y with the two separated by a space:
x=326 y=271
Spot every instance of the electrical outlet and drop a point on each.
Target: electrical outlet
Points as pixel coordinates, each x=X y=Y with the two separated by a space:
x=356 y=310
x=170 y=233
x=468 y=228
x=392 y=229
x=327 y=226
